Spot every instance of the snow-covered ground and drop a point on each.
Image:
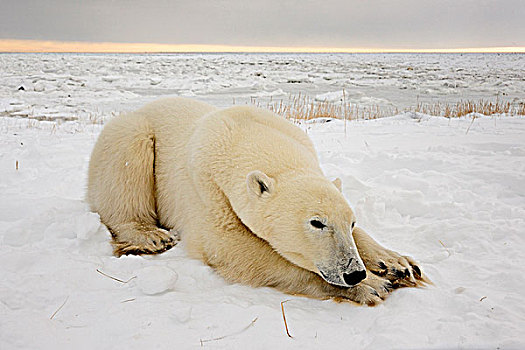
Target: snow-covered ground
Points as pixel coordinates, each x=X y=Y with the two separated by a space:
x=62 y=86
x=421 y=185
x=450 y=193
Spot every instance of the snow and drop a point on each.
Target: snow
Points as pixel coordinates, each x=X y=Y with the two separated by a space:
x=153 y=280
x=448 y=192
x=92 y=86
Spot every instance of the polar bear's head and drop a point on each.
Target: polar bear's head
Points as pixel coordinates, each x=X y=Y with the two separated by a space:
x=307 y=220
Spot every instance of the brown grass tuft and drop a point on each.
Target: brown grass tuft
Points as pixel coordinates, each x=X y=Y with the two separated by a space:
x=302 y=107
x=463 y=108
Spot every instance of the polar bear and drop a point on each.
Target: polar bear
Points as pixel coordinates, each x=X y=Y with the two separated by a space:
x=244 y=190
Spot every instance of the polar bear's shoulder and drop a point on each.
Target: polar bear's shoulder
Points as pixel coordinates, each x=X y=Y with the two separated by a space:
x=256 y=122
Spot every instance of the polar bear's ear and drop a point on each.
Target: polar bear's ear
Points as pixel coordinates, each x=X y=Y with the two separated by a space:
x=259 y=183
x=338 y=183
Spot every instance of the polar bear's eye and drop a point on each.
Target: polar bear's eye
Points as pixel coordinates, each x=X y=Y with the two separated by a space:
x=317 y=224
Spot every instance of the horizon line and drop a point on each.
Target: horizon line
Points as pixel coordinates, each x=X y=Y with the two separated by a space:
x=50 y=46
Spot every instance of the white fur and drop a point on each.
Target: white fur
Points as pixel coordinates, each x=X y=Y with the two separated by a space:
x=241 y=186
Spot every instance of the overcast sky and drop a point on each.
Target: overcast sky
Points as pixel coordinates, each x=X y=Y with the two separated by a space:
x=325 y=23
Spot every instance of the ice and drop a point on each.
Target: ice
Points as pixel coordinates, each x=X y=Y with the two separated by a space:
x=155 y=80
x=420 y=185
x=101 y=84
x=153 y=280
x=334 y=96
x=39 y=86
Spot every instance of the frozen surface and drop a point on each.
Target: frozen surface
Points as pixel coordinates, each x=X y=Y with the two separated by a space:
x=93 y=86
x=424 y=186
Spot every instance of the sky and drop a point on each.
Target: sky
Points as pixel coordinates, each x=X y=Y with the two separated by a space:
x=364 y=24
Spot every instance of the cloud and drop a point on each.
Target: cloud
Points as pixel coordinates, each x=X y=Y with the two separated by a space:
x=15 y=45
x=328 y=23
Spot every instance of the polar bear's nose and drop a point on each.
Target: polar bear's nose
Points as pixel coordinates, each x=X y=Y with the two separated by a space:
x=354 y=278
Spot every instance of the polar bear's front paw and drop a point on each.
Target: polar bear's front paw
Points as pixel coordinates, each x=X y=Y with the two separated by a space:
x=373 y=290
x=402 y=271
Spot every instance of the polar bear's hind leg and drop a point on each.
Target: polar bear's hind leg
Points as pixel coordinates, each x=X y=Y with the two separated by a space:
x=121 y=186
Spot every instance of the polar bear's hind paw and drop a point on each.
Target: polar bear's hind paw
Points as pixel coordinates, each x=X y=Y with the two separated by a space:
x=138 y=239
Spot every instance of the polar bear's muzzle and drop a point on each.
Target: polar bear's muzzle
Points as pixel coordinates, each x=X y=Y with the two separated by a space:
x=344 y=279
x=347 y=274
x=341 y=264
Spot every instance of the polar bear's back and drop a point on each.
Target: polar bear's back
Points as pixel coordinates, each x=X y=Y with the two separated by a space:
x=174 y=118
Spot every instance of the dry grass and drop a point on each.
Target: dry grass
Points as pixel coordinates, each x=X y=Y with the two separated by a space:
x=301 y=107
x=284 y=319
x=464 y=108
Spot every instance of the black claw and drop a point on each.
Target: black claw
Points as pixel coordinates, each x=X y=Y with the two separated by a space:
x=416 y=270
x=379 y=273
x=388 y=286
x=375 y=293
x=399 y=273
x=395 y=284
x=382 y=265
x=407 y=273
